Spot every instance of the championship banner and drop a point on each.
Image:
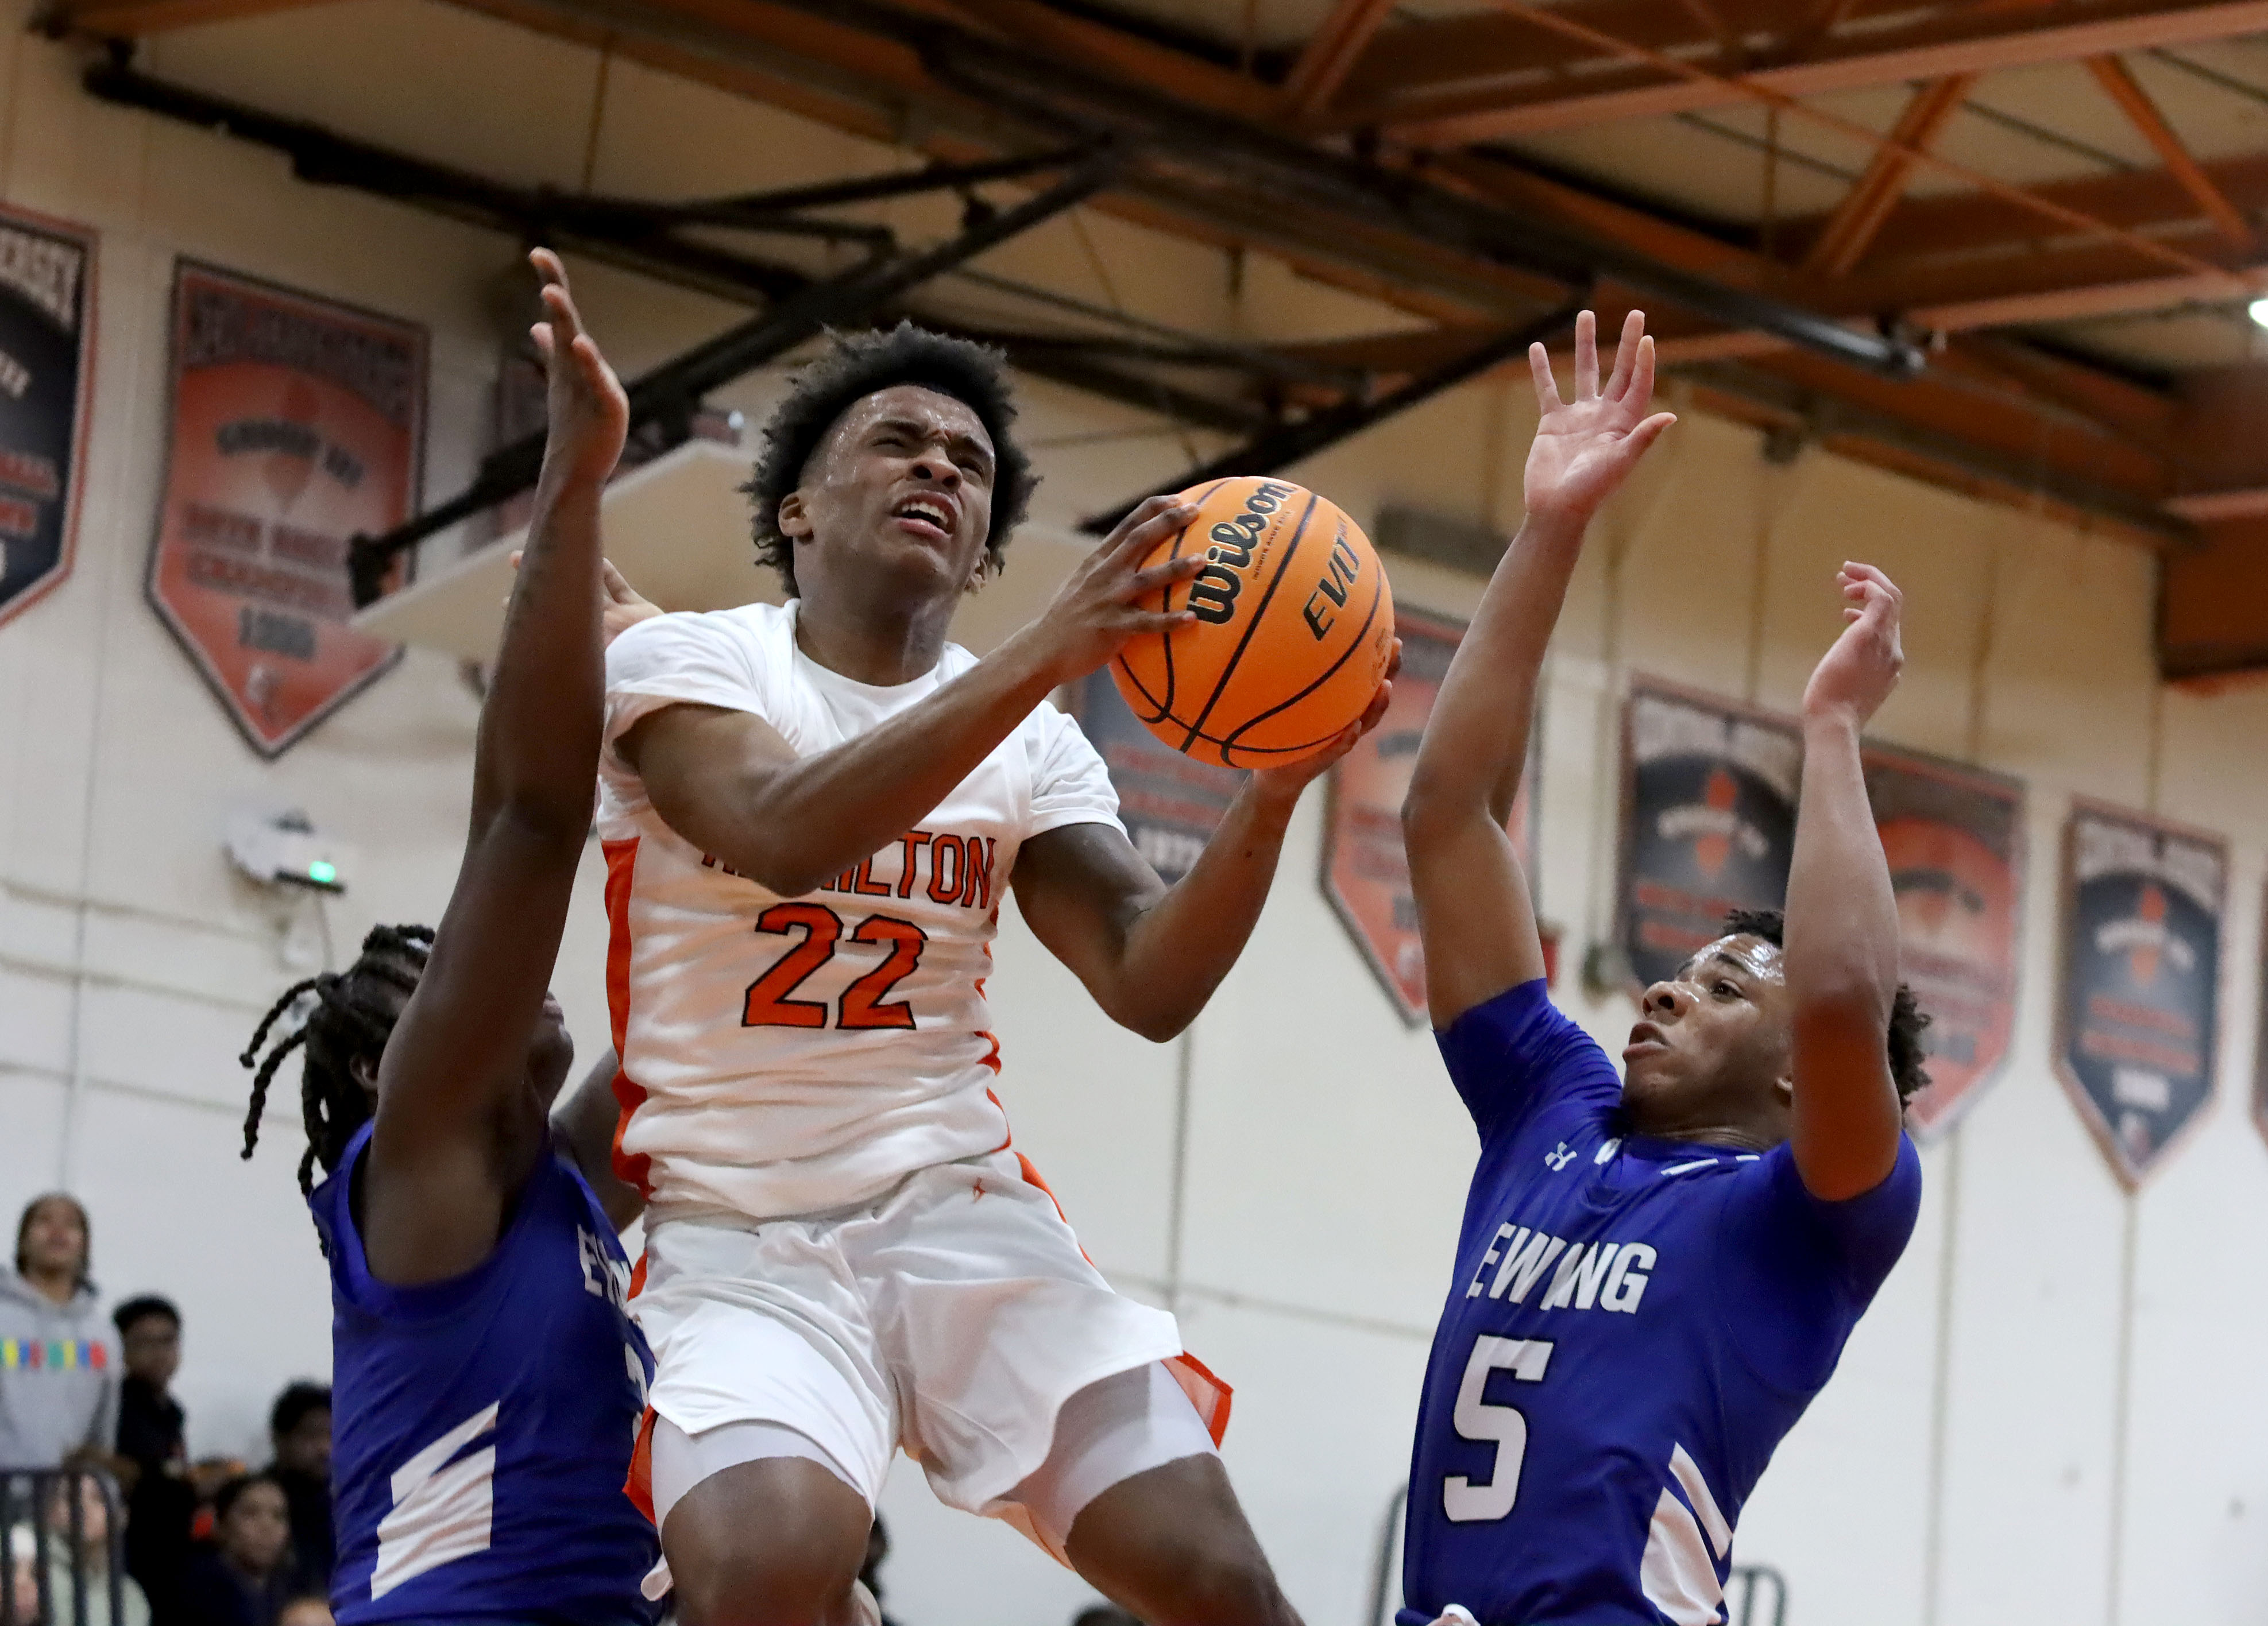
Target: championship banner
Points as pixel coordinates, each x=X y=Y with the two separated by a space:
x=296 y=423
x=46 y=378
x=1954 y=838
x=1366 y=871
x=1170 y=804
x=2139 y=1010
x=1709 y=792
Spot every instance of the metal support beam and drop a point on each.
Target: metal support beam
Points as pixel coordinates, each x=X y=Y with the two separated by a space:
x=2119 y=84
x=1851 y=230
x=1829 y=419
x=621 y=233
x=1942 y=41
x=1290 y=442
x=1331 y=53
x=669 y=395
x=1065 y=99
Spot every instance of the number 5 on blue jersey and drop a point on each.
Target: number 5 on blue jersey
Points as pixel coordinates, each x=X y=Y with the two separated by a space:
x=1525 y=1359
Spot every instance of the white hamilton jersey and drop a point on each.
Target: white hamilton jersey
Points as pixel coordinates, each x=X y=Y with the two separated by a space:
x=791 y=1056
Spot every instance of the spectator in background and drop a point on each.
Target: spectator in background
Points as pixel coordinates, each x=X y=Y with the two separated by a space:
x=299 y=1427
x=244 y=1578
x=85 y=1562
x=153 y=1456
x=308 y=1609
x=58 y=1362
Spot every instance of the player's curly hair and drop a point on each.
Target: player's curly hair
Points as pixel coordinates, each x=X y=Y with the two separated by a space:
x=1907 y=1018
x=351 y=1017
x=855 y=366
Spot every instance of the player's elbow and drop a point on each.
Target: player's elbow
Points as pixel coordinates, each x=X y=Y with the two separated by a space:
x=1154 y=1020
x=786 y=875
x=1841 y=1000
x=536 y=821
x=1424 y=809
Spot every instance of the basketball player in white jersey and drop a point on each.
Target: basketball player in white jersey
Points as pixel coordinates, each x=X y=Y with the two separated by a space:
x=812 y=816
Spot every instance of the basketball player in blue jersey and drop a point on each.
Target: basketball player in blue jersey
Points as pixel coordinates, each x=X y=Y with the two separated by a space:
x=1657 y=1273
x=488 y=1382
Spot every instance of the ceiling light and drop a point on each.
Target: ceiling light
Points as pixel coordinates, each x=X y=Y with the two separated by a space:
x=2258 y=311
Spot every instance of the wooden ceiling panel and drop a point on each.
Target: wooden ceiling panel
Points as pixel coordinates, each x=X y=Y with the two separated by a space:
x=1964 y=39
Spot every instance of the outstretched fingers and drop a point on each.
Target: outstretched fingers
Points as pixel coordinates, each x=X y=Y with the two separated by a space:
x=1157 y=577
x=1626 y=351
x=1587 y=354
x=1547 y=387
x=1156 y=519
x=1648 y=431
x=1637 y=395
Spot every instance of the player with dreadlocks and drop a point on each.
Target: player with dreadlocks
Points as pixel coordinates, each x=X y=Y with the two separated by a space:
x=1658 y=1271
x=354 y=1013
x=487 y=1382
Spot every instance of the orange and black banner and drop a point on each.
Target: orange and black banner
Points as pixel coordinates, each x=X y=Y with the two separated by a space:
x=2139 y=1002
x=1955 y=839
x=1366 y=871
x=46 y=378
x=1709 y=790
x=296 y=423
x=1170 y=804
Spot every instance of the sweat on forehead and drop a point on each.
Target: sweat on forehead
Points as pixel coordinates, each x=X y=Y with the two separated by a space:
x=1758 y=956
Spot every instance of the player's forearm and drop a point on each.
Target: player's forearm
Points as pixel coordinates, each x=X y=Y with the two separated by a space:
x=1476 y=741
x=537 y=754
x=1180 y=948
x=793 y=826
x=1842 y=928
x=586 y=1119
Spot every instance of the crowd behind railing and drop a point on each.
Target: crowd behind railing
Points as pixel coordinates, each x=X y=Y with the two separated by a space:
x=107 y=1520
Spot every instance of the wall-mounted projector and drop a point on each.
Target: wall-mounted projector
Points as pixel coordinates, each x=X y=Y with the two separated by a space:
x=285 y=848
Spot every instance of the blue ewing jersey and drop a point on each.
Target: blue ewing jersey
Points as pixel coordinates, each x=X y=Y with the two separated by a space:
x=483 y=1425
x=1633 y=1326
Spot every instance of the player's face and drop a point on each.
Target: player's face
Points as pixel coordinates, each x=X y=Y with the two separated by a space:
x=901 y=485
x=1710 y=1048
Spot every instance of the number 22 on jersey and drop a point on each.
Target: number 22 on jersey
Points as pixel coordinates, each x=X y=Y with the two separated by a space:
x=770 y=1002
x=1465 y=1501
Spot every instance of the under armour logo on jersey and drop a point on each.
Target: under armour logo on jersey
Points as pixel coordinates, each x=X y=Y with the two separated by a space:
x=1559 y=1159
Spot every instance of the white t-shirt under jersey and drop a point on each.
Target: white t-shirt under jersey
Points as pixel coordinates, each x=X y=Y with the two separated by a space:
x=791 y=1056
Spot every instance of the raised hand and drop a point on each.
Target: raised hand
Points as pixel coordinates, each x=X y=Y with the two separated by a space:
x=621 y=606
x=587 y=413
x=1584 y=448
x=1858 y=674
x=1103 y=604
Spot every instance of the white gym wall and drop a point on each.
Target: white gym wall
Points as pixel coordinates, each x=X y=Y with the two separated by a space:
x=2052 y=1413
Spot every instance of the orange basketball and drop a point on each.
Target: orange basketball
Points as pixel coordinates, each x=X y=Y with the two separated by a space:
x=1295 y=625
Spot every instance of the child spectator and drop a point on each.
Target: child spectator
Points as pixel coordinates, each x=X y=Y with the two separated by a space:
x=153 y=1458
x=244 y=1578
x=80 y=1569
x=58 y=1362
x=299 y=1427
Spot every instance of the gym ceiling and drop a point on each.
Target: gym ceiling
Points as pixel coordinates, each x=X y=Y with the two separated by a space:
x=2004 y=245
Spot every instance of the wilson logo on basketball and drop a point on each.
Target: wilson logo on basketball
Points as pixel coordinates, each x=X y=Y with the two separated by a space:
x=1212 y=594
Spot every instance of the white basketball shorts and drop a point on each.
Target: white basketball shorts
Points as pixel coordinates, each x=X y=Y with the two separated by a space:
x=952 y=1316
